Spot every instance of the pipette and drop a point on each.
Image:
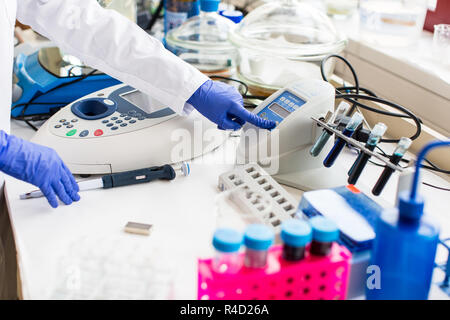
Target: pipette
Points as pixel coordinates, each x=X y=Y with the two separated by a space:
x=349 y=130
x=398 y=154
x=326 y=134
x=375 y=136
x=166 y=172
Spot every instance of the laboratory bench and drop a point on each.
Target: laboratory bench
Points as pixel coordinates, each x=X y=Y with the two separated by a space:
x=56 y=248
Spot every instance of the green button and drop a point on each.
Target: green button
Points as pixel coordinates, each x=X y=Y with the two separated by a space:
x=71 y=132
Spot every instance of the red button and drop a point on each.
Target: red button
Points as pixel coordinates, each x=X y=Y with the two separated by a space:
x=98 y=133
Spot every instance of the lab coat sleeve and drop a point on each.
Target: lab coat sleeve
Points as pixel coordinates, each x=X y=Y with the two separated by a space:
x=107 y=41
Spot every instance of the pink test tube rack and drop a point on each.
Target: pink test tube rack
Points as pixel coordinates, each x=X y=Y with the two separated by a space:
x=313 y=278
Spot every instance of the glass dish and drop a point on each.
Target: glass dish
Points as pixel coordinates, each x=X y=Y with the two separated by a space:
x=203 y=42
x=282 y=41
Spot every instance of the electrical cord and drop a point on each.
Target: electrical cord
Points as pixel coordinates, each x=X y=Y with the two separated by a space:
x=244 y=94
x=155 y=15
x=45 y=116
x=353 y=95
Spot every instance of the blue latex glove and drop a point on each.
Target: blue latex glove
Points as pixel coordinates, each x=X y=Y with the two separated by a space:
x=40 y=166
x=223 y=105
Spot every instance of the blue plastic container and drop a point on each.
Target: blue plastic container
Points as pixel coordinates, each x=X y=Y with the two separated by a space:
x=43 y=87
x=404 y=249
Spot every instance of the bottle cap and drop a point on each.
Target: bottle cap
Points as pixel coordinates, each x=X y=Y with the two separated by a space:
x=258 y=237
x=209 y=5
x=324 y=230
x=296 y=233
x=227 y=240
x=234 y=15
x=410 y=209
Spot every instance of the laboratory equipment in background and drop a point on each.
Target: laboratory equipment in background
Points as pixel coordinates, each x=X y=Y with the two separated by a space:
x=282 y=41
x=392 y=22
x=121 y=129
x=234 y=15
x=258 y=197
x=268 y=275
x=176 y=12
x=405 y=245
x=48 y=79
x=441 y=43
x=341 y=9
x=353 y=212
x=289 y=160
x=122 y=179
x=127 y=8
x=203 y=42
x=440 y=14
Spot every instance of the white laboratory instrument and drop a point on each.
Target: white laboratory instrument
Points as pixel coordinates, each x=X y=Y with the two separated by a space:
x=284 y=152
x=121 y=129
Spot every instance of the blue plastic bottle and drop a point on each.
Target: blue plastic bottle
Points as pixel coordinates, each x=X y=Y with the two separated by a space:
x=405 y=246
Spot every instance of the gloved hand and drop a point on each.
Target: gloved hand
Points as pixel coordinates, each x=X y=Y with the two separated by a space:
x=223 y=105
x=40 y=166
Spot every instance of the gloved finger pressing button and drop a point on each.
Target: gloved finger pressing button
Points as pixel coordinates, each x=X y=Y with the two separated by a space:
x=223 y=105
x=252 y=118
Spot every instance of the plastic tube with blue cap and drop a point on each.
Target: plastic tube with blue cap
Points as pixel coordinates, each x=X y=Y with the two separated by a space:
x=296 y=235
x=405 y=246
x=227 y=243
x=325 y=232
x=257 y=239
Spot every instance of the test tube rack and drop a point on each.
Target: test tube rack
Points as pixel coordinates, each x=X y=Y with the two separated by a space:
x=255 y=179
x=357 y=144
x=313 y=278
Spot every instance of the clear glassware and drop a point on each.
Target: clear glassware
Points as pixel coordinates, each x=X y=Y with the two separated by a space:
x=203 y=42
x=441 y=43
x=392 y=23
x=282 y=41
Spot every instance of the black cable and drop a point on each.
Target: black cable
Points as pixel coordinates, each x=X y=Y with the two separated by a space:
x=233 y=80
x=436 y=187
x=32 y=126
x=349 y=97
x=155 y=15
x=370 y=96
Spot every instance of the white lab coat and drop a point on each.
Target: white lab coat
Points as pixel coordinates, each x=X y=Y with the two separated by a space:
x=102 y=39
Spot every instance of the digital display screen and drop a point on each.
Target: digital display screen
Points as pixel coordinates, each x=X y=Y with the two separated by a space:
x=279 y=110
x=143 y=101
